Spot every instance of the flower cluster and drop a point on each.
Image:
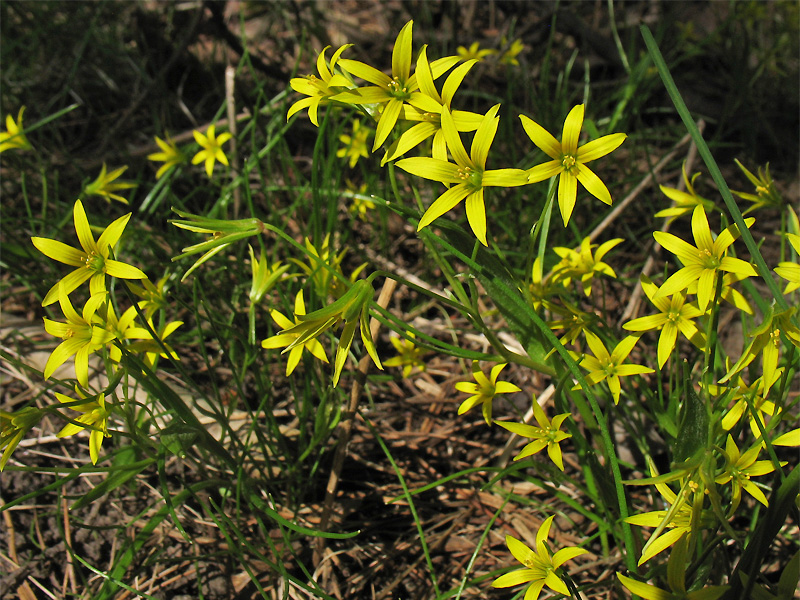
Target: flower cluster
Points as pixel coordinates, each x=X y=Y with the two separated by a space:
x=413 y=98
x=98 y=327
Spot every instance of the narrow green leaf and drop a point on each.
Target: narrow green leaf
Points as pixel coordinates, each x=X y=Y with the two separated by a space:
x=693 y=427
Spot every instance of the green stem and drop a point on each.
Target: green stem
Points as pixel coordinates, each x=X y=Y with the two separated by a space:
x=711 y=164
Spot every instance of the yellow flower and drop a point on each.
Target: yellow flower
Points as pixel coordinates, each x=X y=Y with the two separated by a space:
x=14 y=135
x=581 y=264
x=395 y=91
x=542 y=287
x=212 y=148
x=676 y=579
x=355 y=146
x=574 y=322
x=284 y=339
x=95 y=417
x=703 y=261
x=469 y=173
x=13 y=427
x=474 y=52
x=92 y=262
x=352 y=308
x=675 y=316
x=671 y=524
x=152 y=295
x=739 y=468
x=484 y=390
x=685 y=202
x=610 y=367
x=319 y=89
x=409 y=356
x=569 y=161
x=361 y=203
x=117 y=327
x=324 y=268
x=766 y=196
x=509 y=57
x=742 y=396
x=790 y=271
x=766 y=340
x=264 y=276
x=82 y=335
x=170 y=155
x=546 y=435
x=429 y=123
x=540 y=567
x=151 y=347
x=103 y=186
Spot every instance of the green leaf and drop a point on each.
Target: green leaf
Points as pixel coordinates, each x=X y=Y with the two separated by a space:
x=125 y=468
x=693 y=428
x=504 y=292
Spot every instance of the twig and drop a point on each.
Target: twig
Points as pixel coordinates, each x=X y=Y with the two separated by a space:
x=230 y=103
x=69 y=575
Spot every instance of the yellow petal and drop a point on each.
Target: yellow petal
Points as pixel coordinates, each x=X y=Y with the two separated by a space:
x=542 y=138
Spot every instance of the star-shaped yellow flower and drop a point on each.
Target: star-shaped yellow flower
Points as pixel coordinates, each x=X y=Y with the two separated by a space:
x=703 y=261
x=212 y=148
x=352 y=308
x=474 y=52
x=430 y=123
x=541 y=567
x=105 y=187
x=14 y=135
x=408 y=355
x=392 y=92
x=739 y=468
x=170 y=155
x=484 y=390
x=95 y=417
x=676 y=315
x=610 y=367
x=673 y=524
x=469 y=173
x=548 y=435
x=355 y=146
x=82 y=335
x=319 y=89
x=92 y=261
x=284 y=339
x=580 y=264
x=569 y=161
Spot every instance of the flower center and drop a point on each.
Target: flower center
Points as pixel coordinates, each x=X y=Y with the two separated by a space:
x=568 y=161
x=708 y=259
x=398 y=89
x=94 y=262
x=470 y=176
